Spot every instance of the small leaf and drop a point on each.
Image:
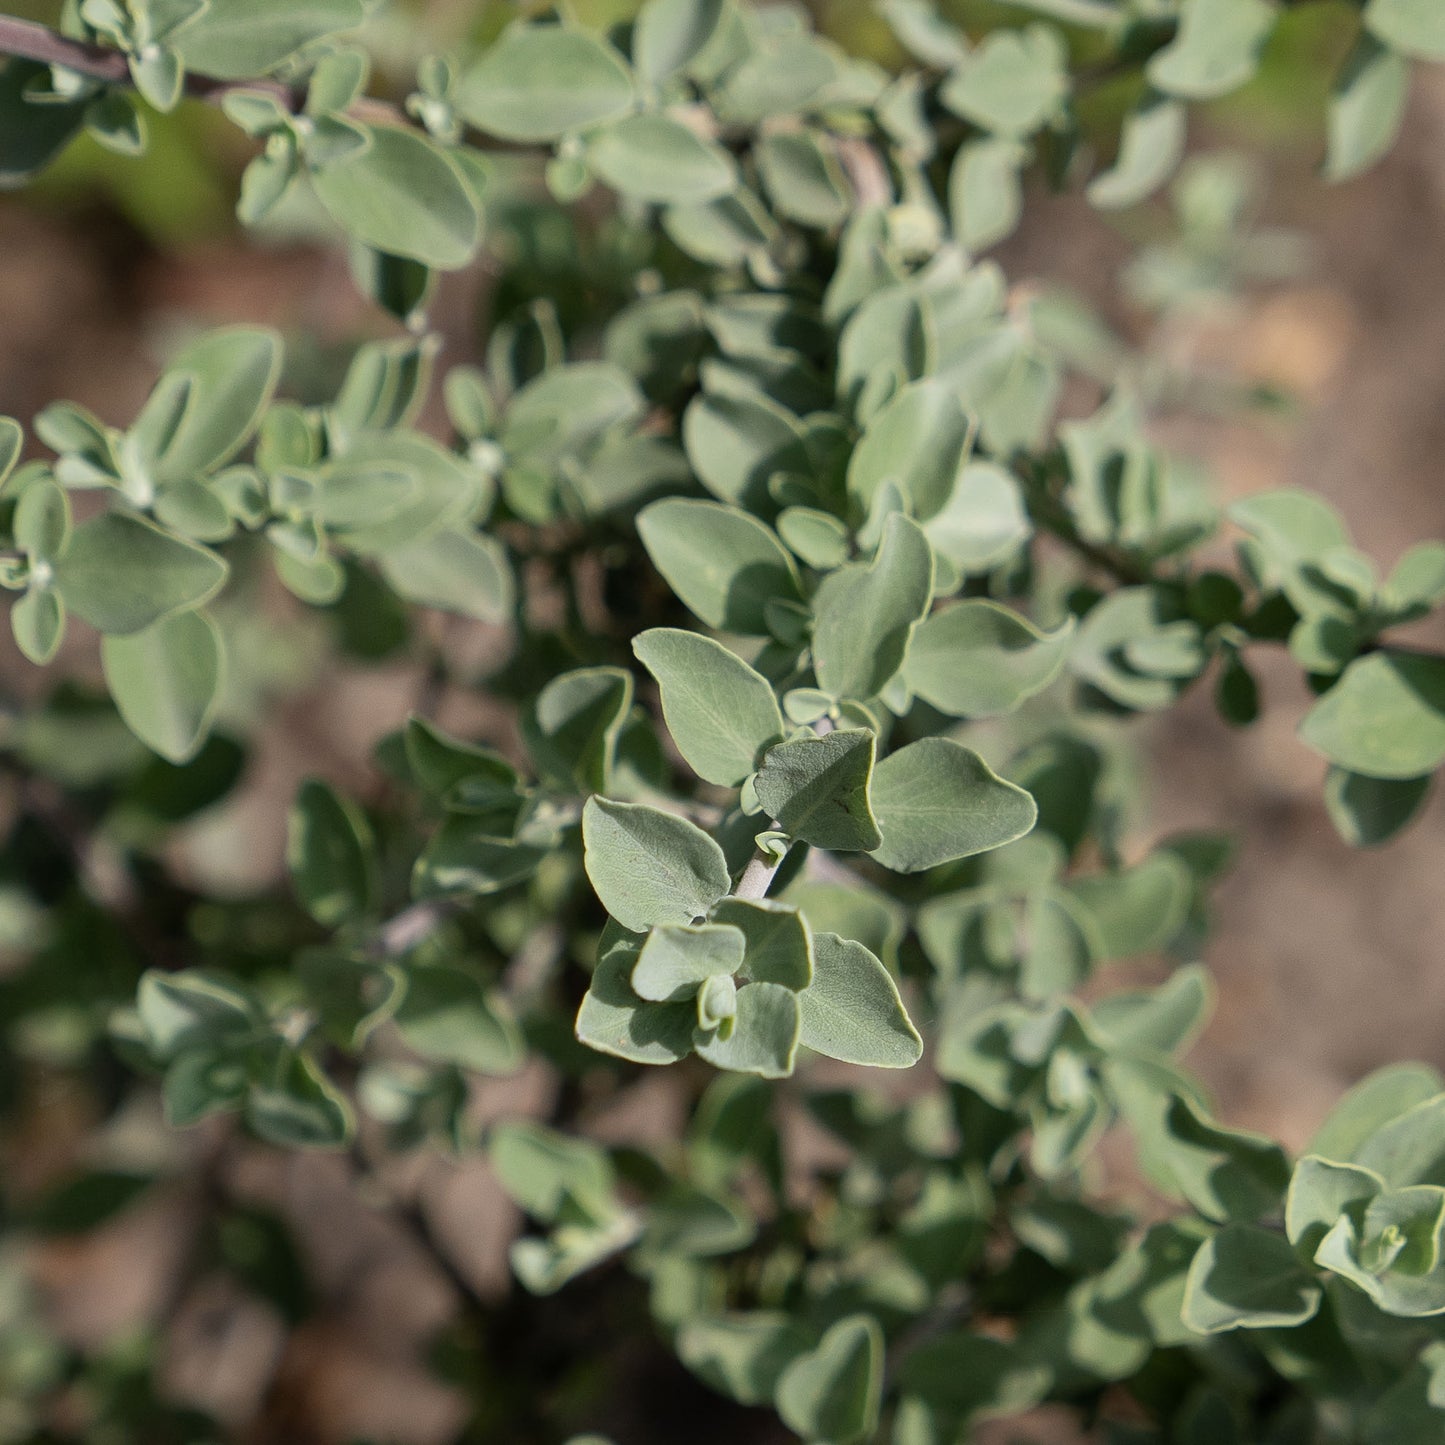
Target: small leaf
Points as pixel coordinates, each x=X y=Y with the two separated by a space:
x=724 y=564
x=1377 y=1099
x=936 y=800
x=979 y=659
x=670 y=34
x=778 y=941
x=330 y=853
x=538 y=82
x=300 y=1108
x=852 y=1011
x=572 y=727
x=803 y=179
x=166 y=682
x=650 y=867
x=448 y=1017
x=38 y=622
x=240 y=39
x=817 y=789
x=1248 y=1278
x=1414 y=27
x=1409 y=1149
x=121 y=574
x=615 y=1021
x=742 y=1355
x=654 y=158
x=1320 y=1193
x=678 y=958
x=403 y=195
x=1367 y=812
x=865 y=613
x=1216 y=49
x=1151 y=145
x=1012 y=84
x=720 y=712
x=1367 y=105
x=464 y=572
x=461 y=773
x=763 y=1036
x=985 y=192
x=832 y=1393
x=1384 y=718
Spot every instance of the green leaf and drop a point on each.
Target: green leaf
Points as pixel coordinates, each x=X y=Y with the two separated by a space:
x=464 y=572
x=670 y=34
x=1151 y=145
x=239 y=39
x=817 y=789
x=538 y=82
x=405 y=196
x=1384 y=718
x=724 y=564
x=778 y=944
x=184 y=1011
x=300 y=1108
x=544 y=1172
x=1410 y=1148
x=1367 y=105
x=865 y=613
x=121 y=574
x=448 y=1017
x=1163 y=1020
x=331 y=855
x=1320 y=1193
x=678 y=958
x=1248 y=1278
x=803 y=179
x=763 y=1035
x=1216 y=49
x=31 y=134
x=166 y=682
x=742 y=1356
x=38 y=622
x=720 y=712
x=615 y=1021
x=832 y=1393
x=1139 y=909
x=42 y=523
x=654 y=158
x=919 y=441
x=12 y=443
x=688 y=1222
x=572 y=727
x=1378 y=1098
x=475 y=853
x=1414 y=27
x=852 y=1010
x=650 y=867
x=979 y=659
x=1013 y=83
x=231 y=376
x=1226 y=1174
x=353 y=995
x=985 y=192
x=461 y=773
x=1367 y=812
x=737 y=442
x=936 y=800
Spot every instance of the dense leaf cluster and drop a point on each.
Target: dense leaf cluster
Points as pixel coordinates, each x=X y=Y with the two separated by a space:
x=748 y=368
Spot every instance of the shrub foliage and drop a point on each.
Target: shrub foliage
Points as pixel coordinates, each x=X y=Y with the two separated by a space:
x=819 y=626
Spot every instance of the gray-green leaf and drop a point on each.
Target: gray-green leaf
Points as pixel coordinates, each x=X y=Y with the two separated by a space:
x=650 y=867
x=166 y=681
x=937 y=800
x=817 y=789
x=720 y=712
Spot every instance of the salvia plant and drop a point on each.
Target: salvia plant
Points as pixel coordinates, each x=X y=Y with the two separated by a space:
x=821 y=571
